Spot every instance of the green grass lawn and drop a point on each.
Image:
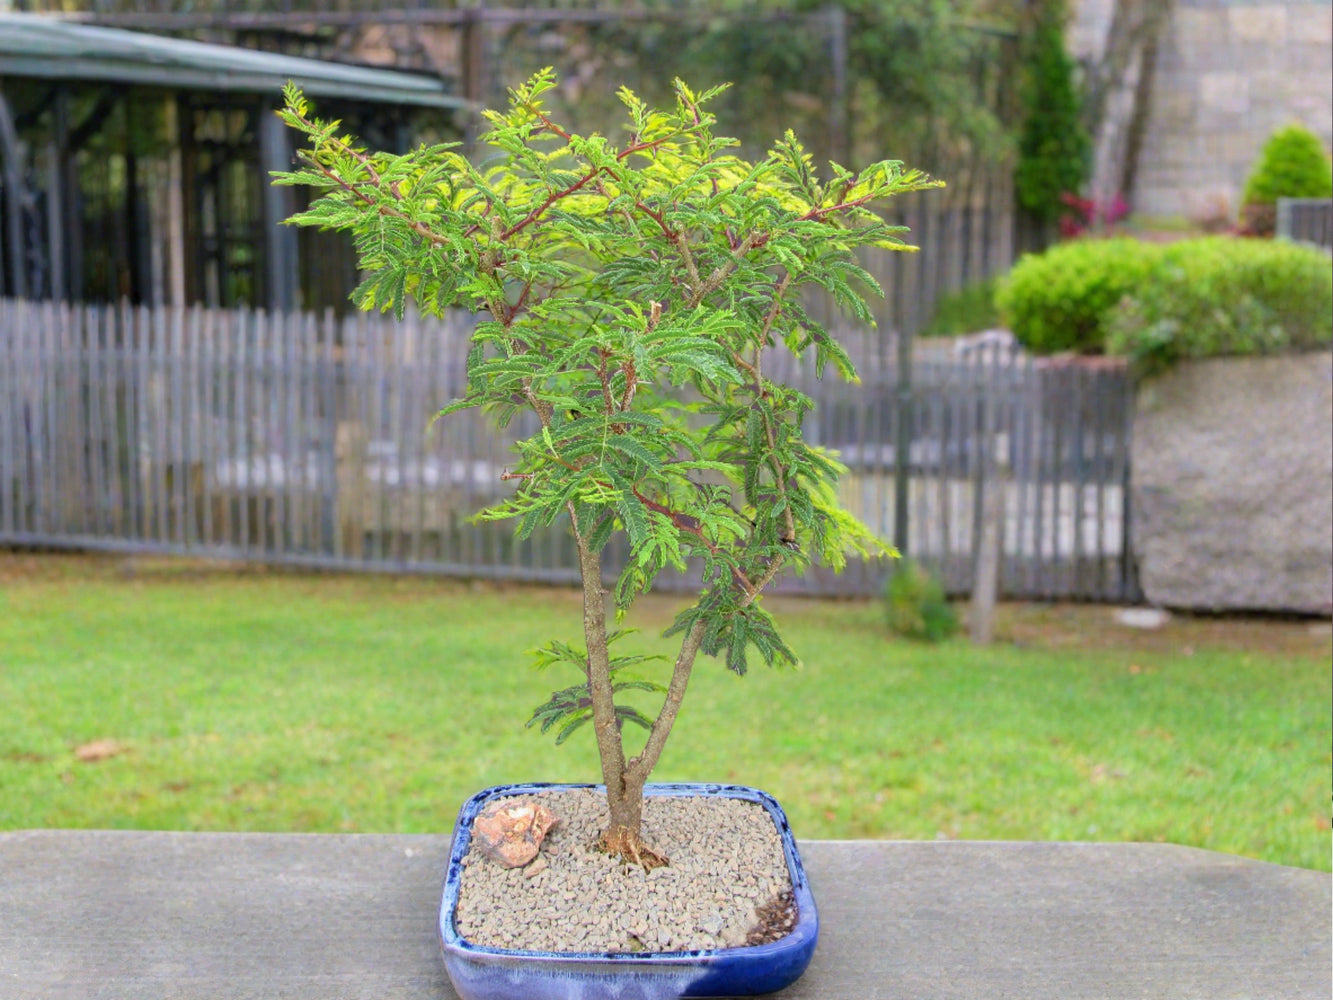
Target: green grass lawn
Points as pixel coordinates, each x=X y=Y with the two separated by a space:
x=221 y=700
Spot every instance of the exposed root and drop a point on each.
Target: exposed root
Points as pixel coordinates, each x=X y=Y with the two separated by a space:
x=630 y=849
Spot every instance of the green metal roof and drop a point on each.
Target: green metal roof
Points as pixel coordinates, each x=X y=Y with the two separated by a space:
x=33 y=46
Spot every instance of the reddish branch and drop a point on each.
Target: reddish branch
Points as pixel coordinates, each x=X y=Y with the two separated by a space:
x=657 y=217
x=550 y=125
x=511 y=311
x=420 y=228
x=775 y=308
x=631 y=381
x=691 y=526
x=818 y=213
x=551 y=199
x=603 y=376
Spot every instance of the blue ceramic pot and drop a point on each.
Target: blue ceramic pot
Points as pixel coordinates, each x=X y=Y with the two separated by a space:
x=480 y=973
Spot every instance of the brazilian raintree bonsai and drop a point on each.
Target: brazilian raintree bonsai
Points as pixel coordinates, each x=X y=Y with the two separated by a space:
x=629 y=296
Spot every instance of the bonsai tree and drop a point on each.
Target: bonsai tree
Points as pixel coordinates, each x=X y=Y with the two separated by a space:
x=629 y=295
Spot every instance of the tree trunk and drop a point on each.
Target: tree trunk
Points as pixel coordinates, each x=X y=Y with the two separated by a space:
x=1118 y=91
x=624 y=792
x=625 y=780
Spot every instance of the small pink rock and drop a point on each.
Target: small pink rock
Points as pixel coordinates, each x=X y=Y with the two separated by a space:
x=511 y=832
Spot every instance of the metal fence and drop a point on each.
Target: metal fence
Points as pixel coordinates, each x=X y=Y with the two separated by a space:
x=1306 y=220
x=304 y=440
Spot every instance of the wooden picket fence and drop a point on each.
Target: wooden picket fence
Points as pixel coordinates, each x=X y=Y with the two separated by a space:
x=307 y=440
x=1306 y=220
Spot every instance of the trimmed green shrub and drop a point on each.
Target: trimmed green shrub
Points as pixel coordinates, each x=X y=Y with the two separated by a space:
x=967 y=310
x=1222 y=295
x=916 y=606
x=1058 y=300
x=1293 y=164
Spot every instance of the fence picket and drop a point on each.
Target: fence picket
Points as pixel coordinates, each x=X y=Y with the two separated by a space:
x=332 y=401
x=9 y=447
x=41 y=409
x=206 y=455
x=1122 y=431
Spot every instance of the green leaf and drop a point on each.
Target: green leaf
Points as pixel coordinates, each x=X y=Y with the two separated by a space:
x=601 y=533
x=633 y=514
x=736 y=648
x=626 y=714
x=571 y=727
x=627 y=445
x=639 y=685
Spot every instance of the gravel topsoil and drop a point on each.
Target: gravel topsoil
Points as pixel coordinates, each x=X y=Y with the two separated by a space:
x=727 y=883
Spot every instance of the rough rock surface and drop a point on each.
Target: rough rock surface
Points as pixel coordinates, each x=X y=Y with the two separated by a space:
x=727 y=870
x=511 y=832
x=1233 y=485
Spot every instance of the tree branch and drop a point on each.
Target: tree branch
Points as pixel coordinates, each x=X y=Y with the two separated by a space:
x=687 y=258
x=420 y=228
x=550 y=125
x=657 y=217
x=639 y=767
x=779 y=477
x=551 y=199
x=776 y=307
x=720 y=273
x=690 y=525
x=818 y=213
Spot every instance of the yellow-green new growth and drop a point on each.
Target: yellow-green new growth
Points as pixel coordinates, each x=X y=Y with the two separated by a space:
x=631 y=294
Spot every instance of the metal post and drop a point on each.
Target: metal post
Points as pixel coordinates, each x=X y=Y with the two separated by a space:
x=58 y=216
x=840 y=145
x=13 y=185
x=281 y=263
x=472 y=41
x=993 y=487
x=902 y=440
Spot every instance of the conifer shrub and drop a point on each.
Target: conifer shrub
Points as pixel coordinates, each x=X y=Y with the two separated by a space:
x=1053 y=145
x=1292 y=164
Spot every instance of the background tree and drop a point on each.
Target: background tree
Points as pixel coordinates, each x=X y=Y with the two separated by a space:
x=1118 y=85
x=926 y=79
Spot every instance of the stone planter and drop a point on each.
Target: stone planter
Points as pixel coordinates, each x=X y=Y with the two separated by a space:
x=487 y=973
x=1232 y=473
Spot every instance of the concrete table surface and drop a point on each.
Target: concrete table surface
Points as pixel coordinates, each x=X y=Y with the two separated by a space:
x=130 y=915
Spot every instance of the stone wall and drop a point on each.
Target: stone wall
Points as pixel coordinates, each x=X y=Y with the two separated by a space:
x=1232 y=472
x=1227 y=74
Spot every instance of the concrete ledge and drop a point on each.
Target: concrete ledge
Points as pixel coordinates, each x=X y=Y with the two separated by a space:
x=130 y=915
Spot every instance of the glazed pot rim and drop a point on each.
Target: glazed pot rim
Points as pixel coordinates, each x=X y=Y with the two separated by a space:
x=807 y=920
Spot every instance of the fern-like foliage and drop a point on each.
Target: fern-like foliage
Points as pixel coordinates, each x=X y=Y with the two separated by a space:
x=571 y=707
x=629 y=295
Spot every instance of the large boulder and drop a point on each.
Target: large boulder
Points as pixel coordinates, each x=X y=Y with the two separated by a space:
x=1232 y=473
